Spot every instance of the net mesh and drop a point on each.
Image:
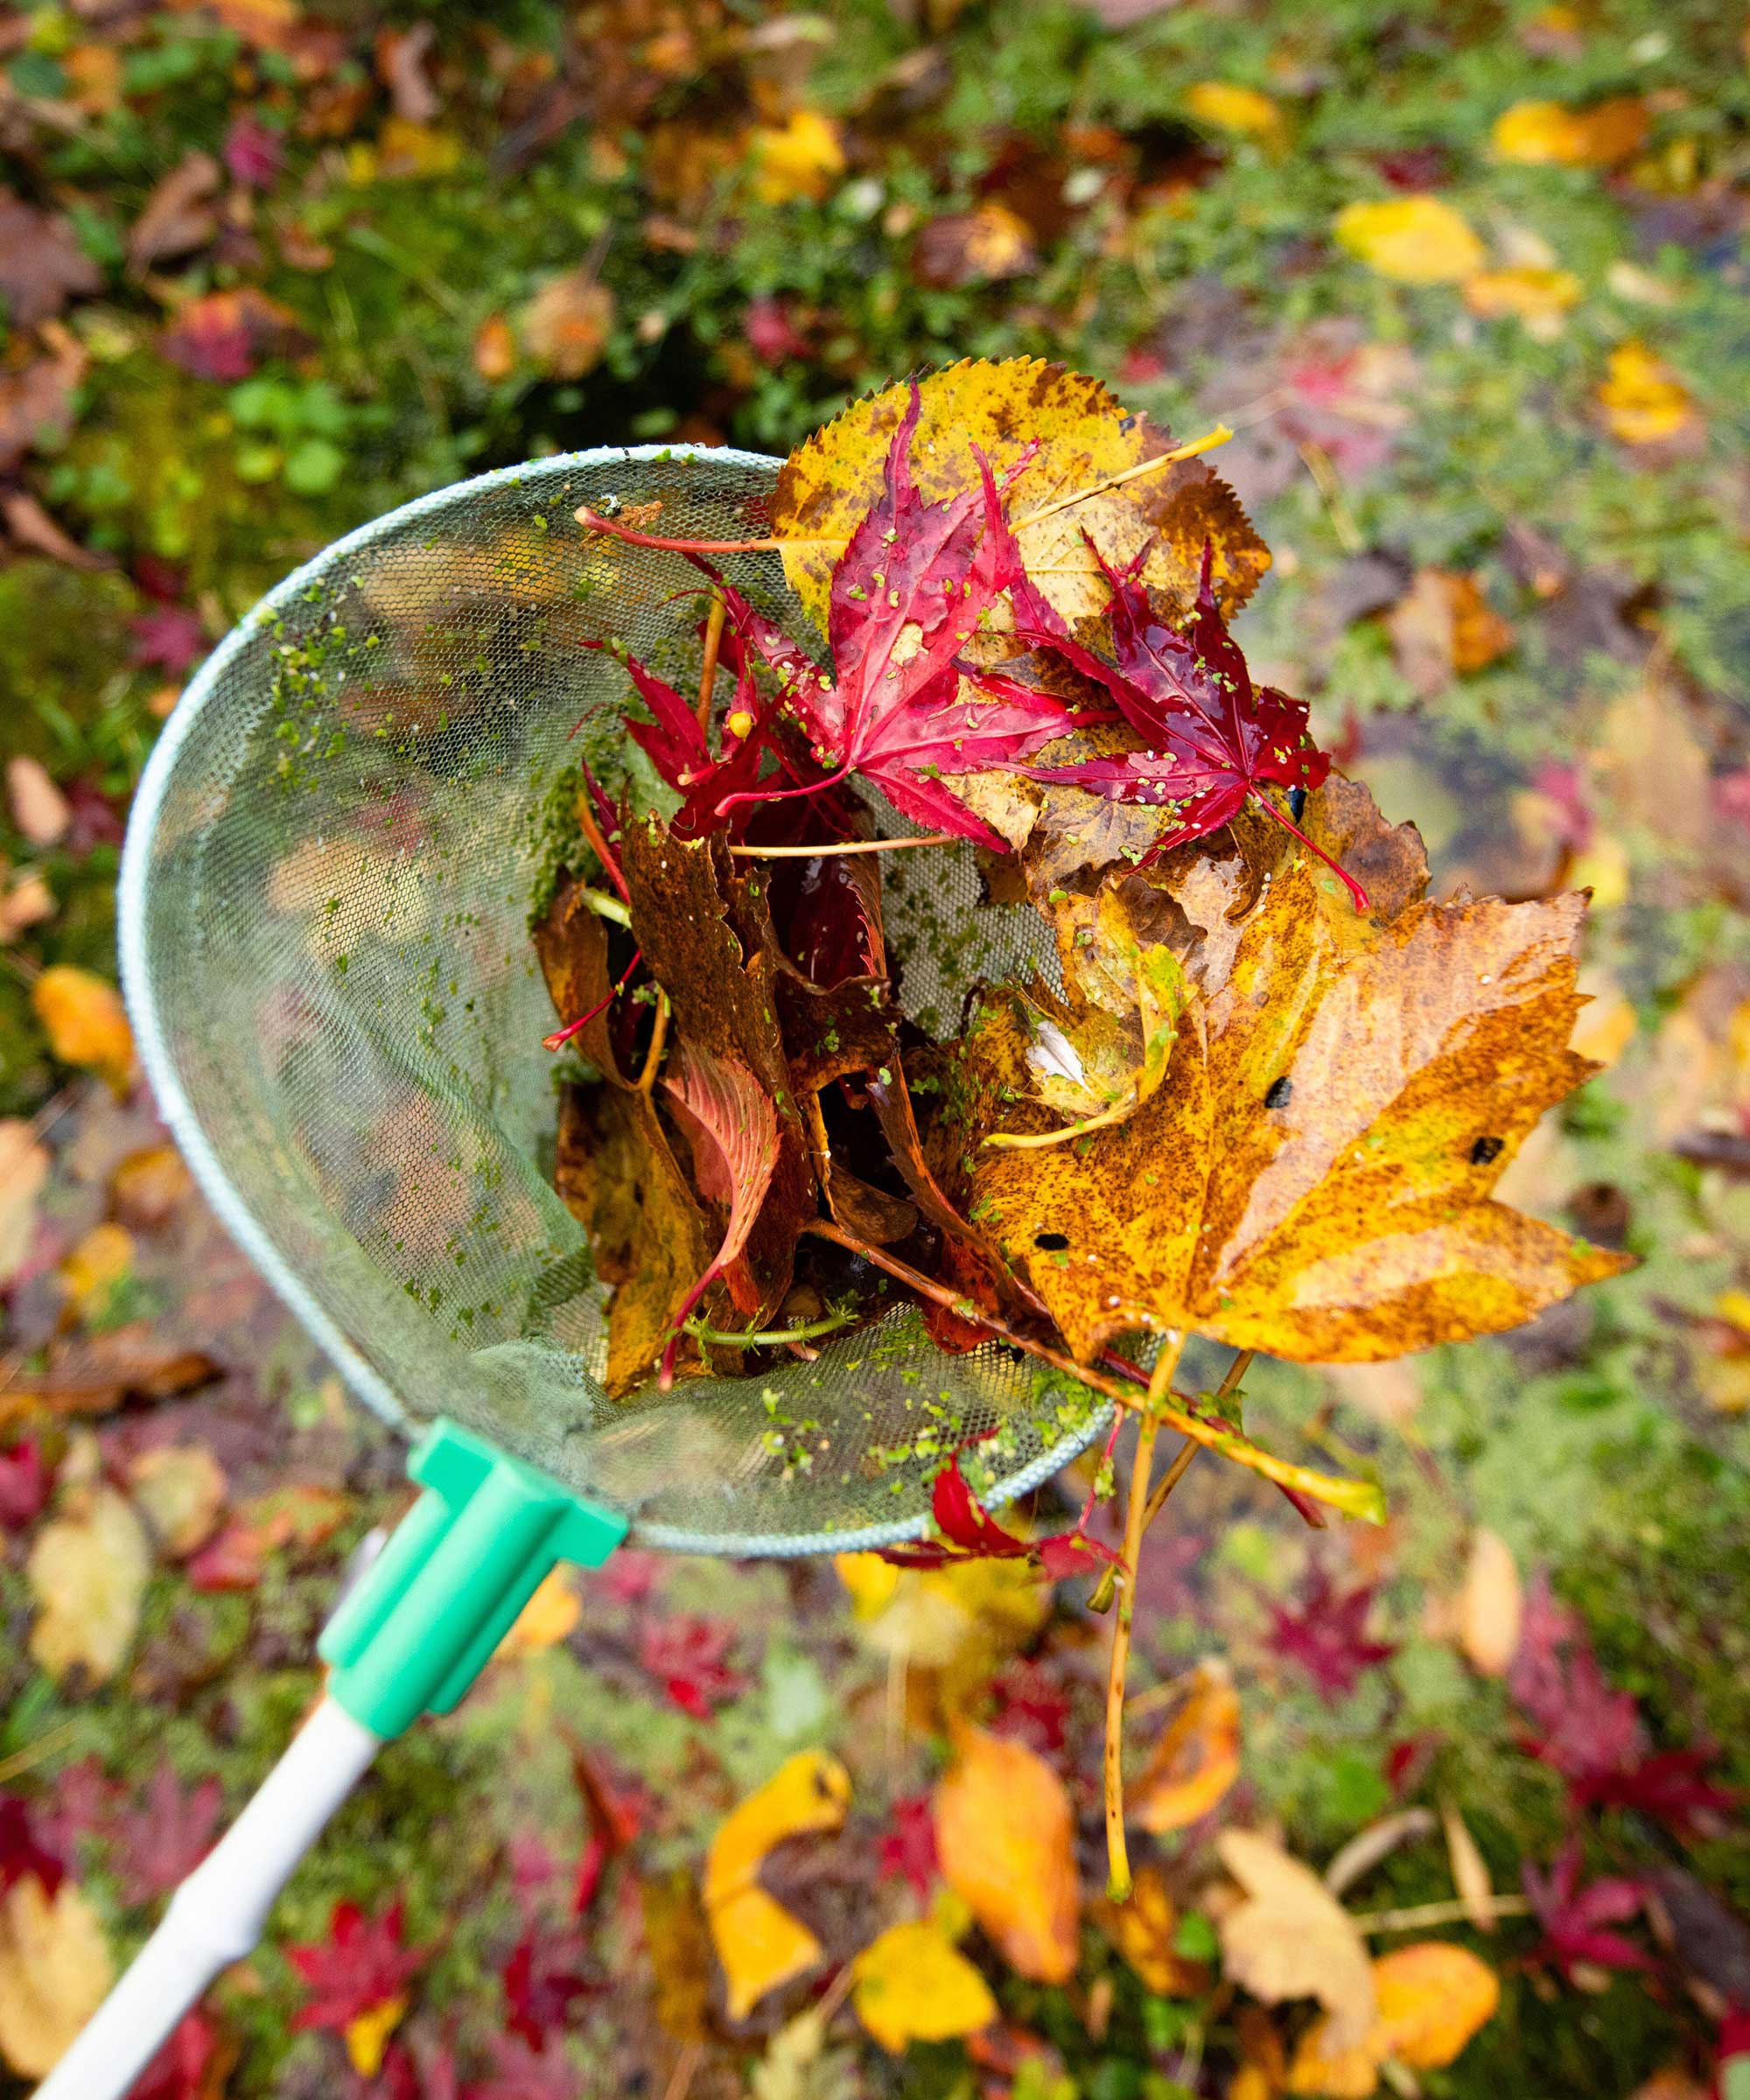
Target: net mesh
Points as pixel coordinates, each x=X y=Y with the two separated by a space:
x=324 y=930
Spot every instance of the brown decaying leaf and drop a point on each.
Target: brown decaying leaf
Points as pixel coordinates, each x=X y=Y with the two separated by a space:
x=1005 y=1835
x=1491 y=1606
x=1470 y=1869
x=42 y=265
x=1083 y=434
x=1312 y=1179
x=1289 y=1937
x=1196 y=1759
x=179 y=215
x=36 y=399
x=1444 y=627
x=565 y=326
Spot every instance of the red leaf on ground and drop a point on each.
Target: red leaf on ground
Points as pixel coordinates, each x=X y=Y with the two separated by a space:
x=224 y=335
x=909 y=1848
x=521 y=2073
x=171 y=638
x=1031 y=1706
x=540 y=1989
x=22 y=1852
x=254 y=156
x=1323 y=1636
x=161 y=1841
x=687 y=1655
x=770 y=333
x=1574 y=1919
x=24 y=1484
x=362 y=1963
x=732 y=1127
x=179 y=2070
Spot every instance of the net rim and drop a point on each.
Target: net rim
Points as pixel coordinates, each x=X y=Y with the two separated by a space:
x=183 y=1120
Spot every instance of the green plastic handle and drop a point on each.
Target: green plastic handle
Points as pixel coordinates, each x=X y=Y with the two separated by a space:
x=423 y=1620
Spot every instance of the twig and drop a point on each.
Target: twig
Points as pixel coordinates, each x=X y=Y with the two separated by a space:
x=681 y=2079
x=1174 y=1475
x=1437 y=1914
x=855 y=845
x=33 y=1752
x=770 y=1337
x=1160 y=1383
x=605 y=906
x=1324 y=472
x=658 y=1036
x=713 y=643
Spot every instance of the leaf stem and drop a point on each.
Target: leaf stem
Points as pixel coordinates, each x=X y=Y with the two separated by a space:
x=854 y=845
x=1160 y=1383
x=770 y=1338
x=598 y=845
x=1357 y=894
x=659 y=1037
x=560 y=1037
x=1206 y=442
x=605 y=906
x=719 y=608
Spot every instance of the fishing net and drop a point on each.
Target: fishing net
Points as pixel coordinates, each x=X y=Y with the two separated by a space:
x=324 y=910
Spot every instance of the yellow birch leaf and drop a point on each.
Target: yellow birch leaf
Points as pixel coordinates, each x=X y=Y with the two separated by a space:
x=87 y=1571
x=802 y=157
x=759 y=1942
x=86 y=1023
x=1313 y=1177
x=1005 y=1835
x=1226 y=106
x=1411 y=240
x=367 y=2036
x=1196 y=1759
x=1290 y=1938
x=1085 y=436
x=55 y=1971
x=1643 y=400
x=913 y=1985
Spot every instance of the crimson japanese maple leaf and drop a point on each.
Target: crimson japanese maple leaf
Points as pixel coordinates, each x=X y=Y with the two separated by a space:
x=172 y=639
x=362 y=1963
x=688 y=1655
x=1323 y=1636
x=25 y=1483
x=541 y=1982
x=22 y=1852
x=909 y=1848
x=1593 y=1735
x=1211 y=741
x=1575 y=1919
x=161 y=1841
x=732 y=1127
x=179 y=2069
x=970 y=1532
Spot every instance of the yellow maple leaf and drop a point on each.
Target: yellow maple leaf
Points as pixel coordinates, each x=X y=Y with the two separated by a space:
x=802 y=157
x=1643 y=400
x=1411 y=240
x=759 y=1942
x=1228 y=106
x=86 y=1022
x=1005 y=1835
x=1551 y=135
x=912 y=1985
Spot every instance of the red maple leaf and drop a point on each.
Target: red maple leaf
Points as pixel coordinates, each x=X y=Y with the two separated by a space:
x=909 y=1848
x=540 y=1987
x=22 y=1852
x=1574 y=1919
x=615 y=1814
x=171 y=638
x=179 y=2070
x=1211 y=742
x=254 y=156
x=362 y=1963
x=24 y=1484
x=1031 y=1705
x=687 y=1654
x=521 y=2072
x=1323 y=1636
x=730 y=1122
x=970 y=1532
x=769 y=331
x=160 y=1843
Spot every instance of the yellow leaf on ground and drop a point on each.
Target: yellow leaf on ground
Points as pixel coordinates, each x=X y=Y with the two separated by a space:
x=1432 y=1998
x=23 y=1169
x=1142 y=1930
x=40 y=809
x=494 y=350
x=180 y=1488
x=98 y=1261
x=54 y=1972
x=1550 y=134
x=547 y=1618
x=759 y=1942
x=367 y=2036
x=1229 y=107
x=1290 y=1938
x=85 y=1021
x=1541 y=298
x=1411 y=240
x=1643 y=400
x=802 y=157
x=1196 y=1759
x=406 y=148
x=1005 y=1835
x=566 y=324
x=149 y=1186
x=1491 y=1603
x=912 y=1985
x=1470 y=1869
x=88 y=1572
x=959 y=1622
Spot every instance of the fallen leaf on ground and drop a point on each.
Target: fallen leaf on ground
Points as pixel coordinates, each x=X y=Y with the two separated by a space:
x=150 y=1187
x=1644 y=401
x=913 y=1984
x=1432 y=1998
x=179 y=215
x=1143 y=1930
x=1470 y=1870
x=55 y=1971
x=801 y=158
x=1443 y=629
x=40 y=809
x=357 y=1978
x=42 y=266
x=1491 y=1606
x=1005 y=1835
x=566 y=324
x=1411 y=240
x=547 y=1618
x=1537 y=295
x=1228 y=107
x=87 y=1573
x=1551 y=135
x=1196 y=1759
x=1290 y=1938
x=759 y=1944
x=99 y=1262
x=85 y=1021
x=23 y=1169
x=181 y=1489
